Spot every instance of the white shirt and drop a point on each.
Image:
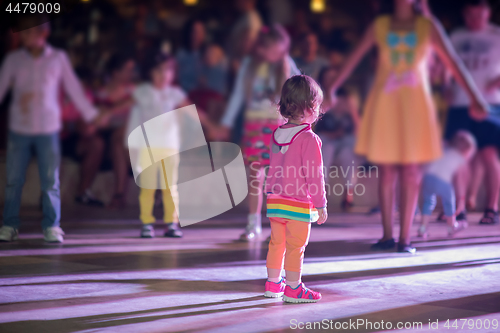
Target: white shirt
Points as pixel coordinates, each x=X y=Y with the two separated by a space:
x=479 y=50
x=151 y=102
x=35 y=83
x=445 y=167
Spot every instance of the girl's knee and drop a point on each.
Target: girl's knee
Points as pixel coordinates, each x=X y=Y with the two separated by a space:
x=296 y=246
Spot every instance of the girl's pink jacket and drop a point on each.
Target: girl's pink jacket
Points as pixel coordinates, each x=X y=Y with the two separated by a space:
x=296 y=168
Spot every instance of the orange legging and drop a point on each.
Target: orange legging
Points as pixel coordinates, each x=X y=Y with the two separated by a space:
x=289 y=239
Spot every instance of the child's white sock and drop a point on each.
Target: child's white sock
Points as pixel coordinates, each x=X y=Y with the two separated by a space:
x=293 y=284
x=275 y=280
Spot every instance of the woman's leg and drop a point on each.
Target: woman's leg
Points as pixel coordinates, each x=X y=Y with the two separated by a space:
x=387 y=182
x=461 y=181
x=411 y=177
x=476 y=176
x=489 y=156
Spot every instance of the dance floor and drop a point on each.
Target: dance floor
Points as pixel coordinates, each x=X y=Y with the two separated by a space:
x=104 y=278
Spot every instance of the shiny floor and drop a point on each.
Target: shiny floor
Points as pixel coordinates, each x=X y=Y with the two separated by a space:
x=106 y=279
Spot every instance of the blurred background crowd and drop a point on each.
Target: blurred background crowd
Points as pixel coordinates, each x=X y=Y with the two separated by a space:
x=109 y=43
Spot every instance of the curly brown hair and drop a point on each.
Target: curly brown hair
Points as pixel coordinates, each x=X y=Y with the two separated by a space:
x=300 y=93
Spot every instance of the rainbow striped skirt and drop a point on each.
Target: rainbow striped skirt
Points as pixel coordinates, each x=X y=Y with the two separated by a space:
x=293 y=209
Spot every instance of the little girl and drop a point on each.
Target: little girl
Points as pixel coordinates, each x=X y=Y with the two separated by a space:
x=296 y=189
x=153 y=99
x=257 y=88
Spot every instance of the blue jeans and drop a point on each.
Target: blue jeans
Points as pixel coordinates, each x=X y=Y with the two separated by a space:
x=432 y=186
x=47 y=150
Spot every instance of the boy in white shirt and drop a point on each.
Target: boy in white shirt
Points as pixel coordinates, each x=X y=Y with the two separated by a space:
x=438 y=182
x=34 y=73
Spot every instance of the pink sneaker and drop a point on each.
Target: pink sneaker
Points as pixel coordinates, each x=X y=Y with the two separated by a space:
x=300 y=295
x=275 y=289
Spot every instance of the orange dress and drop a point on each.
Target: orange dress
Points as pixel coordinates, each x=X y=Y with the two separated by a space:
x=399 y=123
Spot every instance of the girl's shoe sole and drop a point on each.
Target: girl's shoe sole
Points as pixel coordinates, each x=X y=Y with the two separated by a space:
x=270 y=294
x=299 y=300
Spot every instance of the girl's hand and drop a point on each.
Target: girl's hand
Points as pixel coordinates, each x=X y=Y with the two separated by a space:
x=323 y=215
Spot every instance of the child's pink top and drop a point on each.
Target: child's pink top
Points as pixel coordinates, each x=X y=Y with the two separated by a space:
x=296 y=168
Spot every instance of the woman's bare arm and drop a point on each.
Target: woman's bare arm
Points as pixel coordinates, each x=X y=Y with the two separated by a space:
x=445 y=51
x=366 y=43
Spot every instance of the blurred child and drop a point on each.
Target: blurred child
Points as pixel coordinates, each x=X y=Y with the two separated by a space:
x=295 y=188
x=258 y=85
x=154 y=98
x=35 y=73
x=437 y=181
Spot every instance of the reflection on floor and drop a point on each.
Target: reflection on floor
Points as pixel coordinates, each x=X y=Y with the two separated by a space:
x=106 y=279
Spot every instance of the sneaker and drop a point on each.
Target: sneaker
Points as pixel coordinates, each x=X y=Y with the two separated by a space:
x=53 y=235
x=490 y=217
x=89 y=200
x=173 y=231
x=384 y=245
x=422 y=232
x=8 y=234
x=406 y=248
x=459 y=226
x=462 y=216
x=274 y=289
x=252 y=231
x=147 y=231
x=300 y=295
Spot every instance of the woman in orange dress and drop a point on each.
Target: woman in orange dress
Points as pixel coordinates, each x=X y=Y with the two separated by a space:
x=399 y=130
